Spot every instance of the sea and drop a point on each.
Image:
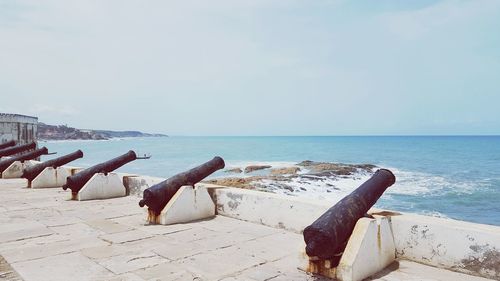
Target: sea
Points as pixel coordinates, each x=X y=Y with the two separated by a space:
x=454 y=177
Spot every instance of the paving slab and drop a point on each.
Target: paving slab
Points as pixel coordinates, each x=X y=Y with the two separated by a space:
x=10 y=224
x=77 y=230
x=50 y=249
x=108 y=226
x=31 y=242
x=131 y=261
x=72 y=266
x=166 y=272
x=124 y=277
x=221 y=263
x=25 y=234
x=127 y=236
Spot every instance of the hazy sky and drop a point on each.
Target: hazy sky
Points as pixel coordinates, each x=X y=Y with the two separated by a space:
x=254 y=67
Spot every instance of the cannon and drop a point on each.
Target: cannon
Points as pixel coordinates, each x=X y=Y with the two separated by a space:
x=16 y=149
x=77 y=181
x=7 y=144
x=33 y=171
x=157 y=196
x=327 y=237
x=4 y=164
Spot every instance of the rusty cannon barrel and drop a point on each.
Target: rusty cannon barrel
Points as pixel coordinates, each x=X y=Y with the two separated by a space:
x=326 y=238
x=33 y=171
x=7 y=144
x=4 y=164
x=157 y=196
x=16 y=149
x=77 y=181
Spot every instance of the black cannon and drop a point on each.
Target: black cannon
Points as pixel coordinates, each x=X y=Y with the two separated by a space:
x=326 y=238
x=4 y=164
x=77 y=181
x=16 y=149
x=157 y=196
x=7 y=144
x=33 y=171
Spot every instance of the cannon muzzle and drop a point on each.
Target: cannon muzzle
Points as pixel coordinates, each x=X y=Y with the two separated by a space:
x=16 y=149
x=33 y=171
x=327 y=236
x=157 y=196
x=77 y=181
x=7 y=144
x=4 y=164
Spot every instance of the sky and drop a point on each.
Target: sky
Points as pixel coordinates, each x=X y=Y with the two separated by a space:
x=256 y=67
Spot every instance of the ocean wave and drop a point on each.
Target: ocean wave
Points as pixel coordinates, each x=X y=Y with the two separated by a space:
x=435 y=214
x=334 y=187
x=419 y=183
x=321 y=188
x=407 y=183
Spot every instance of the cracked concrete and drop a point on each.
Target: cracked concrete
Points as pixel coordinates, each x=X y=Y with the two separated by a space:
x=109 y=240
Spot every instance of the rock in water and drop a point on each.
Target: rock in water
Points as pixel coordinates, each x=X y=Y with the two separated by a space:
x=335 y=169
x=285 y=171
x=253 y=168
x=234 y=170
x=233 y=182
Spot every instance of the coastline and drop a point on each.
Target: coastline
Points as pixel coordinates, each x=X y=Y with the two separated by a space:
x=103 y=140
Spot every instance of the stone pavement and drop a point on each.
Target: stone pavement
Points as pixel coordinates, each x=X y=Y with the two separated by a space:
x=45 y=236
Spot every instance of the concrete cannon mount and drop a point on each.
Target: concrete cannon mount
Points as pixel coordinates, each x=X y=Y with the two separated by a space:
x=45 y=236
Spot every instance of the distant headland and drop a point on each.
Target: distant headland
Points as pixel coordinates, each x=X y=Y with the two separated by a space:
x=63 y=132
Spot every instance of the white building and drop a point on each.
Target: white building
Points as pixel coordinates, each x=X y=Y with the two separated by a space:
x=20 y=128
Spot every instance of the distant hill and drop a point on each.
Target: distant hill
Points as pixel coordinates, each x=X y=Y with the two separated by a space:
x=126 y=134
x=63 y=132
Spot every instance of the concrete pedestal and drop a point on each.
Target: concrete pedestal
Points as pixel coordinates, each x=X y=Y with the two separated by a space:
x=51 y=177
x=101 y=186
x=15 y=170
x=369 y=250
x=188 y=204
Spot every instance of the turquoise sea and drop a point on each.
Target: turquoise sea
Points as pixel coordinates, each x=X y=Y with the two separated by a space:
x=448 y=176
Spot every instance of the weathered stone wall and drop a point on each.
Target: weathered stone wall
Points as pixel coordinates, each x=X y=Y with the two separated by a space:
x=17 y=127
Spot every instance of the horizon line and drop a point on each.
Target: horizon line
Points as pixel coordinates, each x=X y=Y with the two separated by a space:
x=368 y=135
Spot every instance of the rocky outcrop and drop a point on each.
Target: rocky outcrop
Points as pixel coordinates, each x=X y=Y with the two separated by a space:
x=285 y=171
x=235 y=182
x=289 y=180
x=335 y=169
x=253 y=168
x=234 y=171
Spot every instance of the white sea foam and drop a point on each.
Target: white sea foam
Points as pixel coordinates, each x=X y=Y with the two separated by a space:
x=418 y=183
x=273 y=164
x=434 y=214
x=335 y=188
x=332 y=189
